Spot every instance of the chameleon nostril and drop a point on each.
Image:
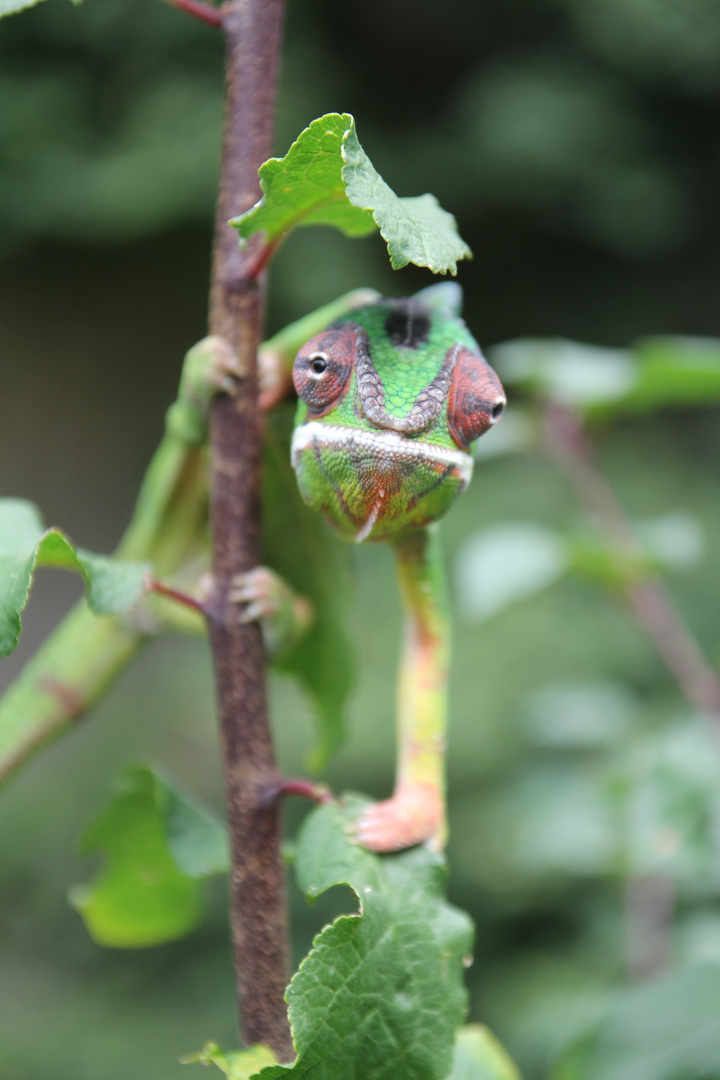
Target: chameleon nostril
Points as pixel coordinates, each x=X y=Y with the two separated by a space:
x=498 y=410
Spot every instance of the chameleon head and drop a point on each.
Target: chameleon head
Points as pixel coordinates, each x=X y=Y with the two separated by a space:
x=391 y=399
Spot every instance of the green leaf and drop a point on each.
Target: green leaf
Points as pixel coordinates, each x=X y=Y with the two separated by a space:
x=326 y=178
x=479 y=1056
x=381 y=993
x=506 y=563
x=663 y=1030
x=568 y=371
x=301 y=548
x=676 y=371
x=9 y=7
x=157 y=844
x=236 y=1064
x=25 y=544
x=657 y=372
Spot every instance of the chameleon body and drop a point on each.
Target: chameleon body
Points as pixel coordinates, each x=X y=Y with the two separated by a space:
x=391 y=398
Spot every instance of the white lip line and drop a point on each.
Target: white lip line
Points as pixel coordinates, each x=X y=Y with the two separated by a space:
x=330 y=433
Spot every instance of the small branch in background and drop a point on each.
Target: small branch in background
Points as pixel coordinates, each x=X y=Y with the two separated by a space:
x=647 y=597
x=649 y=903
x=205 y=12
x=304 y=789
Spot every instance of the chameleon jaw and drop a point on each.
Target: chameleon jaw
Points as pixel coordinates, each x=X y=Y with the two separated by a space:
x=334 y=436
x=393 y=454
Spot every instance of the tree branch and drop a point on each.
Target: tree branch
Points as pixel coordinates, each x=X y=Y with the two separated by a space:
x=257 y=900
x=647 y=597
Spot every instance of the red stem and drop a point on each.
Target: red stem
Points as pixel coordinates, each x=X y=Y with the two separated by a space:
x=304 y=789
x=205 y=12
x=175 y=594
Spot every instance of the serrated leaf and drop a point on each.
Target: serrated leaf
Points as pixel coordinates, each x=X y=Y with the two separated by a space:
x=505 y=563
x=381 y=993
x=9 y=7
x=417 y=230
x=300 y=547
x=112 y=585
x=236 y=1064
x=157 y=844
x=479 y=1056
x=326 y=178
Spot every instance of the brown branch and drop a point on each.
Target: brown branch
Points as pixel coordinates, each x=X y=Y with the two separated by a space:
x=647 y=596
x=205 y=12
x=258 y=918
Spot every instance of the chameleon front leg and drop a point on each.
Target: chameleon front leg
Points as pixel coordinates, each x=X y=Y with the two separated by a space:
x=416 y=812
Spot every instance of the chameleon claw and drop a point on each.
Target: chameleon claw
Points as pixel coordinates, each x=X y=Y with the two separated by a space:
x=226 y=369
x=260 y=590
x=283 y=615
x=414 y=815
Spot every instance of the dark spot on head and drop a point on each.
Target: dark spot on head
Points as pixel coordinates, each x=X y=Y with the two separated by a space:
x=408 y=325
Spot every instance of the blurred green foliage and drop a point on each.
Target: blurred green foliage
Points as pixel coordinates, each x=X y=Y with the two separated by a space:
x=576 y=143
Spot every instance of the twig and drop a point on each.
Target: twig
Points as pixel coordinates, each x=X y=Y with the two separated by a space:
x=177 y=595
x=304 y=789
x=258 y=915
x=649 y=903
x=205 y=12
x=647 y=597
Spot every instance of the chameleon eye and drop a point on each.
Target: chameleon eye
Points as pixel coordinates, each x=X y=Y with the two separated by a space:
x=322 y=368
x=476 y=400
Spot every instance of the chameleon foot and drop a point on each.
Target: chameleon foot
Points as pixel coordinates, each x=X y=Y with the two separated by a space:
x=414 y=815
x=283 y=615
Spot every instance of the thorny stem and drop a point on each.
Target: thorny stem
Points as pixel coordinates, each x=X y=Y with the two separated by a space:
x=258 y=916
x=647 y=597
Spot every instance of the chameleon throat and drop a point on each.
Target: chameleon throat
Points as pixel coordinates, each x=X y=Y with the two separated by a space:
x=333 y=436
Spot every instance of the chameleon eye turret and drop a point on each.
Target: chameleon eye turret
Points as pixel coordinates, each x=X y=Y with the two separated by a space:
x=476 y=400
x=322 y=369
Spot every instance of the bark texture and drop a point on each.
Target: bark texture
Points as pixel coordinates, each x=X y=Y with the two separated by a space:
x=257 y=897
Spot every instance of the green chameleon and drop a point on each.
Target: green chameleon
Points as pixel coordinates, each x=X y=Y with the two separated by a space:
x=391 y=398
x=392 y=394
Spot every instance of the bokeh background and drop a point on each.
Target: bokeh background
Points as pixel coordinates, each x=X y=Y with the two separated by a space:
x=576 y=141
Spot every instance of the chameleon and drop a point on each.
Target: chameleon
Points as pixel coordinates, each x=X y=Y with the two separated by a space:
x=391 y=397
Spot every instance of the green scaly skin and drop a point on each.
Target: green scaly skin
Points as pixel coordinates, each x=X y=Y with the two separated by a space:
x=381 y=448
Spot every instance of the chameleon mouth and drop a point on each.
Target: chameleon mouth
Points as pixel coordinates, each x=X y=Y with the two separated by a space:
x=383 y=460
